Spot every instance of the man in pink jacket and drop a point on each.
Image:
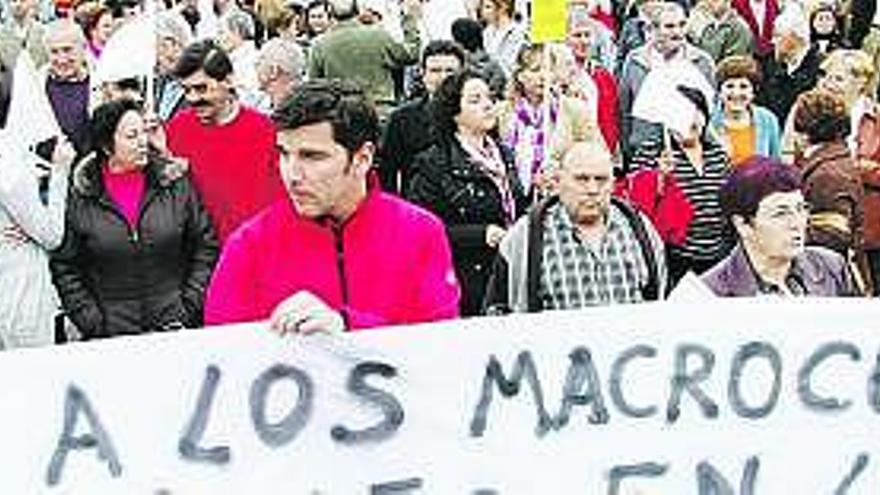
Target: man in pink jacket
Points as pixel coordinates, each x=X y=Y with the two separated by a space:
x=337 y=253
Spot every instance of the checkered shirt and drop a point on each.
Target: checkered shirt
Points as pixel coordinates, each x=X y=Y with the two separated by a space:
x=575 y=275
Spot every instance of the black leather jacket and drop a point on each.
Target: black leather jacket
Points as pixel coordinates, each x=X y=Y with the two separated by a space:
x=115 y=279
x=446 y=181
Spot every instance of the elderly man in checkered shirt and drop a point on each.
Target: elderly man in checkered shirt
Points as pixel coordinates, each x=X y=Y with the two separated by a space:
x=582 y=248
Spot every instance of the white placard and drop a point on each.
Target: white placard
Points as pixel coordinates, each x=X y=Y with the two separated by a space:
x=411 y=410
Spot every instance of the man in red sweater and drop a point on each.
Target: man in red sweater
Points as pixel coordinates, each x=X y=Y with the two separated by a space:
x=230 y=147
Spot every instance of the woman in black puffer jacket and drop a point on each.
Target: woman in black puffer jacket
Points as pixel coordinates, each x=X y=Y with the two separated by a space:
x=468 y=180
x=139 y=247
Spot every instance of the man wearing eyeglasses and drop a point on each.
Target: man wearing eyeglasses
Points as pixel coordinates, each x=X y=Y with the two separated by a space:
x=764 y=202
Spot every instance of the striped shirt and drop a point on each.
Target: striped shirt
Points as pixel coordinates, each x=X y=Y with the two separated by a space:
x=708 y=237
x=576 y=274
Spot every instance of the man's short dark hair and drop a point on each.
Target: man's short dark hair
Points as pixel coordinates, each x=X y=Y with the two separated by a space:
x=203 y=55
x=341 y=104
x=321 y=4
x=443 y=47
x=506 y=6
x=468 y=32
x=753 y=181
x=129 y=84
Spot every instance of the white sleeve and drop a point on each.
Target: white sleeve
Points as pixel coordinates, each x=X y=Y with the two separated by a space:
x=20 y=198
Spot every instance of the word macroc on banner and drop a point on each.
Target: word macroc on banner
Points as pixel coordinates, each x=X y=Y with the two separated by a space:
x=733 y=397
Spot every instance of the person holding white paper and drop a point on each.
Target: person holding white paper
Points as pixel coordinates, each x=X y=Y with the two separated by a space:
x=668 y=51
x=700 y=165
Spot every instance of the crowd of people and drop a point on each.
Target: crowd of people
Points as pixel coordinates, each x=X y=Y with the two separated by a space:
x=334 y=165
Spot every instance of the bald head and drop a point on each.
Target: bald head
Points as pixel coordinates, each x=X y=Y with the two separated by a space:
x=585 y=182
x=587 y=151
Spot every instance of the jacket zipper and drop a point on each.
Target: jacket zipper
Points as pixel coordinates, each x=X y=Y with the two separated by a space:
x=134 y=236
x=340 y=269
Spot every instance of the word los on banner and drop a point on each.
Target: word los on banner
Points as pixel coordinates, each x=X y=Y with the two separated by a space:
x=278 y=434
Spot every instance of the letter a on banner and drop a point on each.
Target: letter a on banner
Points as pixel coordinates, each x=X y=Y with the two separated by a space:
x=549 y=21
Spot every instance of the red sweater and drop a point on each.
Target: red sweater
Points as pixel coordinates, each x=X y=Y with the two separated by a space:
x=234 y=166
x=606 y=86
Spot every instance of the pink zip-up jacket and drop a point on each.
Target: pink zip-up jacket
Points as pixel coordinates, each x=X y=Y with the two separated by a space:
x=388 y=264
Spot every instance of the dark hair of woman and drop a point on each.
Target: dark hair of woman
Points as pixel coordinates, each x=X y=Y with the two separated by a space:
x=103 y=124
x=447 y=102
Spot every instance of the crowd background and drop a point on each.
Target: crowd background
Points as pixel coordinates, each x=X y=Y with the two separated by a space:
x=114 y=226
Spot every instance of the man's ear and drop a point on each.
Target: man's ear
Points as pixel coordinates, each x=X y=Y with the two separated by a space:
x=362 y=159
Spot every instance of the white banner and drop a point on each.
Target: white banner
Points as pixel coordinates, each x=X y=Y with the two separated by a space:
x=728 y=397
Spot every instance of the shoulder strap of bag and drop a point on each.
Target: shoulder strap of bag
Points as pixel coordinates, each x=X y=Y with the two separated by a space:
x=651 y=290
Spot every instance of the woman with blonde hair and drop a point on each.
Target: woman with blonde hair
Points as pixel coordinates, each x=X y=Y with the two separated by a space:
x=848 y=74
x=540 y=117
x=274 y=15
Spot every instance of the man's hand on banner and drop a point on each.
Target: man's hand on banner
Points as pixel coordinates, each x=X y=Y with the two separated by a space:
x=305 y=313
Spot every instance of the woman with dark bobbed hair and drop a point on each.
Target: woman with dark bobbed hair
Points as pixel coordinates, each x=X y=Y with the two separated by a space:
x=832 y=185
x=468 y=180
x=139 y=247
x=764 y=202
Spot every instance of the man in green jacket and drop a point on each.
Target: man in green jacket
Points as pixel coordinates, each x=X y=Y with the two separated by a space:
x=719 y=30
x=366 y=54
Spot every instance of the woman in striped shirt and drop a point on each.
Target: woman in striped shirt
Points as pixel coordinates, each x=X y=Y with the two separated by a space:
x=700 y=165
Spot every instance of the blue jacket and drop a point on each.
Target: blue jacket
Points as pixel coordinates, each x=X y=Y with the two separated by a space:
x=767 y=135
